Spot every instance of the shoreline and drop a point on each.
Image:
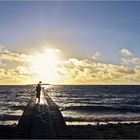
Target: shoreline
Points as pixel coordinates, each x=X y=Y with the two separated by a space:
x=100 y=131
x=82 y=123
x=74 y=123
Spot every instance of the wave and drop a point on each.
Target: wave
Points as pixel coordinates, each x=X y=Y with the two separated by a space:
x=102 y=119
x=20 y=107
x=5 y=117
x=121 y=109
x=79 y=103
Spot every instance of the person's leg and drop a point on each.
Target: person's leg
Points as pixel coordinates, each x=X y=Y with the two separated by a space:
x=39 y=99
x=36 y=97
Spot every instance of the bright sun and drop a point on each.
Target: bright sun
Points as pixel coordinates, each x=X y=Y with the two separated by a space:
x=44 y=65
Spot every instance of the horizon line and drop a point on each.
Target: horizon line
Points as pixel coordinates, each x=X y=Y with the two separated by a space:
x=72 y=84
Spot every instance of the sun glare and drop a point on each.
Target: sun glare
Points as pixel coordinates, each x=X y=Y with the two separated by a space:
x=44 y=65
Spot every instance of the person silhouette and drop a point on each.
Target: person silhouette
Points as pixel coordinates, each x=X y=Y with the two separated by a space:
x=38 y=91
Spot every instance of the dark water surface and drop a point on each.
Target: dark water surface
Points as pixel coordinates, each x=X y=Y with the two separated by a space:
x=78 y=104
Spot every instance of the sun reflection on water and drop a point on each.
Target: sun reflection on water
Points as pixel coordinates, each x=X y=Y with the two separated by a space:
x=42 y=99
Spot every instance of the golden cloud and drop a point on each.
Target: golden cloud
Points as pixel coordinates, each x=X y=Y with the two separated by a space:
x=15 y=69
x=10 y=56
x=88 y=72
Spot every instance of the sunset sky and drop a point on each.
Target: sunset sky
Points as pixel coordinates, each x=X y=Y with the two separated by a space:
x=71 y=42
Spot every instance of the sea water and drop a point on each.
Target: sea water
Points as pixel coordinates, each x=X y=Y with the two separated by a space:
x=86 y=104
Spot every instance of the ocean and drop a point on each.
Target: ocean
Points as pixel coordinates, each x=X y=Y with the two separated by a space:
x=79 y=104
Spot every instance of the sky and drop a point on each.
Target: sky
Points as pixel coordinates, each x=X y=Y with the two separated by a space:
x=88 y=42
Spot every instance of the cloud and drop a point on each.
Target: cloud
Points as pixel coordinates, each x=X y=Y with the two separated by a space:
x=15 y=69
x=129 y=59
x=135 y=60
x=125 y=53
x=76 y=71
x=96 y=55
x=19 y=75
x=10 y=56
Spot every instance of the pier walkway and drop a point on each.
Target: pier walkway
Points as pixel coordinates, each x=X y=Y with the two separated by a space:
x=42 y=121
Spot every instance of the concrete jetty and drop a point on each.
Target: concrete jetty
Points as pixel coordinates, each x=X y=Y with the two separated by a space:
x=42 y=121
